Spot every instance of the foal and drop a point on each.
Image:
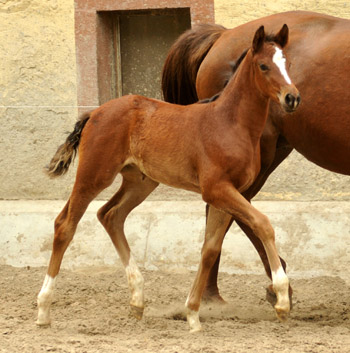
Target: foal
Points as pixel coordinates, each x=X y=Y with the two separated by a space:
x=211 y=148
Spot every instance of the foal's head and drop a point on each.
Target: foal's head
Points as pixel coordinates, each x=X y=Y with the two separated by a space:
x=270 y=68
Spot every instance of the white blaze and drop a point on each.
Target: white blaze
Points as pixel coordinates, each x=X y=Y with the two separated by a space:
x=280 y=61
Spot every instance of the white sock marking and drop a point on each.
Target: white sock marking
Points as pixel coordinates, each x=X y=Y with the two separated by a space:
x=280 y=61
x=279 y=277
x=193 y=320
x=45 y=299
x=136 y=283
x=280 y=284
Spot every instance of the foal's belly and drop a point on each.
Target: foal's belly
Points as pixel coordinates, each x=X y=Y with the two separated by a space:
x=169 y=172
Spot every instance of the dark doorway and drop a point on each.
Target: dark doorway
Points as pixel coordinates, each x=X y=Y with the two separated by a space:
x=141 y=40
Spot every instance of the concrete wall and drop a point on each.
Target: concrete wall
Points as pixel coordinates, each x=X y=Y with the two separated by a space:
x=313 y=237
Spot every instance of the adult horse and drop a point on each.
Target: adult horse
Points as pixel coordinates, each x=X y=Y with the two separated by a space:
x=199 y=65
x=215 y=151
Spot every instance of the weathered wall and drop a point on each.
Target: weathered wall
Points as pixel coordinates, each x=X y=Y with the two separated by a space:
x=231 y=13
x=38 y=101
x=37 y=93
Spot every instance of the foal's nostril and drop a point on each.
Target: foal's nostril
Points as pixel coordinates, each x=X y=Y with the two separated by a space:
x=290 y=100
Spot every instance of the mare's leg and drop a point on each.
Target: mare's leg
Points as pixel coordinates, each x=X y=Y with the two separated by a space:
x=273 y=153
x=217 y=223
x=134 y=189
x=211 y=290
x=225 y=197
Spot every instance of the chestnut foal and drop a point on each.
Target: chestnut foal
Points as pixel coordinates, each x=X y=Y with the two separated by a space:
x=211 y=148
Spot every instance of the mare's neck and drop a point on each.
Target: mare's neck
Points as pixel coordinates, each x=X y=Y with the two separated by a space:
x=242 y=104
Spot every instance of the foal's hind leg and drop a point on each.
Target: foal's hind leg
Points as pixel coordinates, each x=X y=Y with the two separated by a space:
x=134 y=189
x=65 y=226
x=90 y=180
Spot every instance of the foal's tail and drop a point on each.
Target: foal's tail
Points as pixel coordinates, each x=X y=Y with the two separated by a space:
x=66 y=153
x=183 y=61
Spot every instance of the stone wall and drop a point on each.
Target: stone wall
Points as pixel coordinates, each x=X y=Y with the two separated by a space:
x=38 y=94
x=38 y=101
x=231 y=13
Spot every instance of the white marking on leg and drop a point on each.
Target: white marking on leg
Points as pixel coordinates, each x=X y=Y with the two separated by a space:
x=44 y=300
x=280 y=61
x=193 y=318
x=279 y=278
x=280 y=284
x=136 y=283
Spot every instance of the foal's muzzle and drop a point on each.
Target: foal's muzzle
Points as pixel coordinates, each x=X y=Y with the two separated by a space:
x=291 y=102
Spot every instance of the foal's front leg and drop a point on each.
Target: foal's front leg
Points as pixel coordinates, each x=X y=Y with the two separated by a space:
x=225 y=197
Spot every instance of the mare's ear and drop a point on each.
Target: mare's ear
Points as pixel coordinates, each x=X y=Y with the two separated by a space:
x=281 y=37
x=259 y=39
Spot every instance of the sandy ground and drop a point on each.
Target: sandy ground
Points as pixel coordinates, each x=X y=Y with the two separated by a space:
x=90 y=314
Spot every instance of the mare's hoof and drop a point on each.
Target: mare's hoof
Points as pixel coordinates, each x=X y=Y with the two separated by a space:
x=272 y=298
x=136 y=312
x=213 y=297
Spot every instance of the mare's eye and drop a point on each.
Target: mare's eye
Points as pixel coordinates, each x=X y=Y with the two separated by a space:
x=263 y=67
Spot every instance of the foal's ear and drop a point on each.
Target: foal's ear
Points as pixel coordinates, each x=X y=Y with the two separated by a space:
x=282 y=36
x=259 y=39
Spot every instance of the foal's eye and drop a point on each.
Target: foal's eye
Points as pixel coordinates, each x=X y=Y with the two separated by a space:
x=263 y=67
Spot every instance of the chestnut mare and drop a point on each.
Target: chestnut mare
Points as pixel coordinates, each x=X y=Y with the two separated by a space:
x=215 y=151
x=200 y=63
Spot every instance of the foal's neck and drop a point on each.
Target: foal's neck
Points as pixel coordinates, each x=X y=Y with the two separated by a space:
x=241 y=103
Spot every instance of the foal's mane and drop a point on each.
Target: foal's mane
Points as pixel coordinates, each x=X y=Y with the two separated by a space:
x=234 y=66
x=270 y=38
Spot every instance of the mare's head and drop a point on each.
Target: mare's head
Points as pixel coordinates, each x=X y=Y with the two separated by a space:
x=270 y=68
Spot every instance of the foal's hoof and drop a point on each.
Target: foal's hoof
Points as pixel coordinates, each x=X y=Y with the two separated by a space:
x=43 y=324
x=193 y=321
x=282 y=314
x=272 y=298
x=136 y=312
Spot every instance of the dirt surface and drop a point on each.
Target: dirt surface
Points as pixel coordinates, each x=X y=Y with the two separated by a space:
x=90 y=314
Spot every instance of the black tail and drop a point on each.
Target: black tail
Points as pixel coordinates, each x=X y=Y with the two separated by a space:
x=66 y=153
x=183 y=61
